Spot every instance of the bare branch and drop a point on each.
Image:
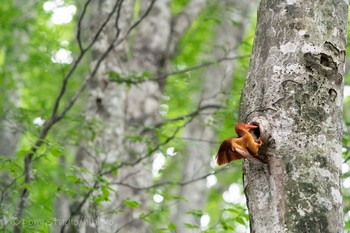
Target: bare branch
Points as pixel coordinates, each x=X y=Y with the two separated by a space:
x=79 y=25
x=190 y=117
x=135 y=162
x=130 y=80
x=206 y=64
x=141 y=158
x=76 y=63
x=54 y=116
x=198 y=140
x=142 y=17
x=192 y=114
x=104 y=55
x=80 y=205
x=80 y=56
x=104 y=24
x=165 y=183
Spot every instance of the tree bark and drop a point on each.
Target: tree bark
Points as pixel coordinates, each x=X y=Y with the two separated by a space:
x=142 y=111
x=11 y=90
x=121 y=111
x=216 y=86
x=103 y=143
x=294 y=92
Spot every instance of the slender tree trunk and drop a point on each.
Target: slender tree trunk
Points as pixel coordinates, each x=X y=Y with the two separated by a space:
x=12 y=82
x=119 y=113
x=142 y=110
x=216 y=85
x=103 y=143
x=11 y=88
x=9 y=128
x=9 y=137
x=294 y=92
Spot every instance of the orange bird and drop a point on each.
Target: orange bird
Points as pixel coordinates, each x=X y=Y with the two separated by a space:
x=238 y=148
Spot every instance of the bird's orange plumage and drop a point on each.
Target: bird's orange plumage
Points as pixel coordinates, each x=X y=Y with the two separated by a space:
x=237 y=148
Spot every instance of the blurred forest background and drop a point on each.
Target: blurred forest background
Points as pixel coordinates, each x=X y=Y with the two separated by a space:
x=113 y=112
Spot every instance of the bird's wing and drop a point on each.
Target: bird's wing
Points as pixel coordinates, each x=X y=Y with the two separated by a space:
x=227 y=153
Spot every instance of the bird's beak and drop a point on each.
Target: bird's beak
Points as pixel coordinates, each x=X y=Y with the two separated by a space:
x=250 y=126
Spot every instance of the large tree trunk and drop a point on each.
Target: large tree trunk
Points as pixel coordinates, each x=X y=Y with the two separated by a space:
x=294 y=92
x=216 y=85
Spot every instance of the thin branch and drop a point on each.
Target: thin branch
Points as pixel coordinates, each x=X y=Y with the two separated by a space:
x=81 y=204
x=205 y=64
x=6 y=188
x=165 y=183
x=104 y=24
x=132 y=81
x=104 y=55
x=137 y=161
x=109 y=49
x=142 y=17
x=124 y=225
x=141 y=158
x=198 y=140
x=28 y=172
x=55 y=117
x=64 y=87
x=192 y=114
x=80 y=23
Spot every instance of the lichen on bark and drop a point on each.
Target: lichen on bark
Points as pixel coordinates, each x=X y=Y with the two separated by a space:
x=295 y=83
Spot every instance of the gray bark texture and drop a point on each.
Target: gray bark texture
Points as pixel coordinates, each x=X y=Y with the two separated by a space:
x=216 y=84
x=121 y=111
x=117 y=111
x=10 y=98
x=9 y=137
x=294 y=92
x=10 y=129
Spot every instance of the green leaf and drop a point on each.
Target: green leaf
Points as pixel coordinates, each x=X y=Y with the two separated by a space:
x=225 y=226
x=135 y=138
x=97 y=200
x=171 y=197
x=240 y=220
x=56 y=151
x=23 y=152
x=129 y=78
x=172 y=226
x=196 y=213
x=105 y=193
x=131 y=203
x=191 y=226
x=102 y=179
x=232 y=210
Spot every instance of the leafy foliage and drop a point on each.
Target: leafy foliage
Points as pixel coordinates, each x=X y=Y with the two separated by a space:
x=27 y=43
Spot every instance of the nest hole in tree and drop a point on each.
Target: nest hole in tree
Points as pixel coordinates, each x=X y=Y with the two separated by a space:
x=255 y=132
